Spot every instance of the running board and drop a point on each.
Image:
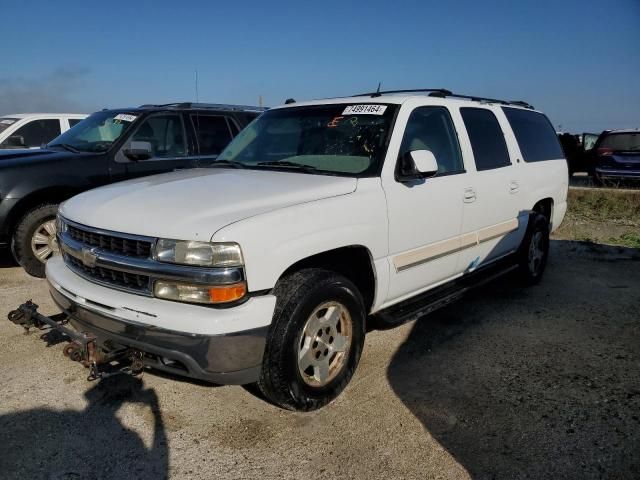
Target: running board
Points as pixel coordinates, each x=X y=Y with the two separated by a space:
x=444 y=295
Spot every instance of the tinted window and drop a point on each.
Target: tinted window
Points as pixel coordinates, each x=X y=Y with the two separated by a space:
x=74 y=121
x=487 y=140
x=629 y=142
x=431 y=128
x=213 y=133
x=37 y=132
x=165 y=134
x=535 y=135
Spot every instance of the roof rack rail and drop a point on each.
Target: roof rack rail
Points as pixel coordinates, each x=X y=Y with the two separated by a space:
x=379 y=93
x=521 y=103
x=443 y=92
x=212 y=106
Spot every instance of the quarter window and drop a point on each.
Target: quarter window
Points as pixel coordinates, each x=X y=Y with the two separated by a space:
x=165 y=134
x=535 y=135
x=431 y=128
x=38 y=132
x=213 y=133
x=487 y=140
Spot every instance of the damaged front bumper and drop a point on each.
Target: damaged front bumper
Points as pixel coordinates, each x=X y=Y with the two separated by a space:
x=223 y=346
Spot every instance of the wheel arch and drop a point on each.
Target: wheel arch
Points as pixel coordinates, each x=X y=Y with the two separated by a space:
x=355 y=262
x=545 y=207
x=53 y=195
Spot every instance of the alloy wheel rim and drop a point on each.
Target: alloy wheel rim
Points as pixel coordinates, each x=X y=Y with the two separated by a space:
x=536 y=252
x=44 y=243
x=324 y=343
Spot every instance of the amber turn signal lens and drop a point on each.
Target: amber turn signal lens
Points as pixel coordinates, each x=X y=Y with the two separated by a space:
x=227 y=293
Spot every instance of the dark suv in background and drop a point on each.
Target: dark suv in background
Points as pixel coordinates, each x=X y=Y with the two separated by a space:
x=109 y=146
x=616 y=156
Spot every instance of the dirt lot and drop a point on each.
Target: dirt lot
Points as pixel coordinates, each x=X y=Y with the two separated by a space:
x=507 y=383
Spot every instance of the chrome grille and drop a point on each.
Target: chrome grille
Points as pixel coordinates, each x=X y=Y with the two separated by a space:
x=111 y=243
x=125 y=280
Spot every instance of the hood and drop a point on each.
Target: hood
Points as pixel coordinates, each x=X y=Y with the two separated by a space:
x=194 y=204
x=11 y=157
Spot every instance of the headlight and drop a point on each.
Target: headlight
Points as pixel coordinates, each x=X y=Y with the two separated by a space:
x=189 y=252
x=61 y=225
x=182 y=292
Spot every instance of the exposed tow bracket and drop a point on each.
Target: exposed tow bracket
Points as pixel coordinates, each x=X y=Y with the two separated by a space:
x=83 y=347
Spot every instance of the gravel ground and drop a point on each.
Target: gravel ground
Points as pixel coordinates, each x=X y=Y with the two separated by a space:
x=507 y=383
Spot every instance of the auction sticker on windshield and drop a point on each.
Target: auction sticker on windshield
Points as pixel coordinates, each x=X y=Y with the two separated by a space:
x=368 y=109
x=125 y=117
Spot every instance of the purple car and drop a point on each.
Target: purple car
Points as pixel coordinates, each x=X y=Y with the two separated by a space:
x=617 y=155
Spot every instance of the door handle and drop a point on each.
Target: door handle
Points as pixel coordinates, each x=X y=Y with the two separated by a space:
x=514 y=187
x=469 y=195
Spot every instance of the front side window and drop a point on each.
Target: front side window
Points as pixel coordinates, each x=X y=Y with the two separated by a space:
x=74 y=121
x=38 y=132
x=165 y=133
x=431 y=128
x=535 y=135
x=338 y=139
x=96 y=133
x=213 y=133
x=487 y=140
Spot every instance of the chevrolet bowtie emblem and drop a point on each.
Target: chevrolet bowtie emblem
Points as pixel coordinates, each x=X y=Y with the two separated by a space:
x=89 y=257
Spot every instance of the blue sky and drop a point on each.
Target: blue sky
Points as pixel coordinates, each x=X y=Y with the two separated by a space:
x=579 y=61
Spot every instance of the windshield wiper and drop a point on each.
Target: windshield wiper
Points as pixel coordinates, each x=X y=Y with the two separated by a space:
x=227 y=163
x=66 y=146
x=286 y=164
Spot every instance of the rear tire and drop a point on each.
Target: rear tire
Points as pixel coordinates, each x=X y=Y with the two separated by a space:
x=34 y=241
x=534 y=250
x=315 y=340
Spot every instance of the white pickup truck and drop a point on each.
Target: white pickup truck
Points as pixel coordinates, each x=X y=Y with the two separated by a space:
x=265 y=267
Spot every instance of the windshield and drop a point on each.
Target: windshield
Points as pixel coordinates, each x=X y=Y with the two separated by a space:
x=622 y=142
x=6 y=122
x=97 y=132
x=339 y=139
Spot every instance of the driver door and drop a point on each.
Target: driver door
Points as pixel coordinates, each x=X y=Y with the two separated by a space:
x=425 y=216
x=166 y=134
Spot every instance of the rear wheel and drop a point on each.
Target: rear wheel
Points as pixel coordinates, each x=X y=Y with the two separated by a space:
x=34 y=240
x=315 y=340
x=534 y=250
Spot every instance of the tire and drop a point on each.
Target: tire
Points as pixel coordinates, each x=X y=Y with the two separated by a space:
x=534 y=251
x=307 y=300
x=27 y=231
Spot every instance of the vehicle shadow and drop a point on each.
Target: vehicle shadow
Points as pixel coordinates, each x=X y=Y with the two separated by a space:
x=92 y=443
x=540 y=382
x=6 y=259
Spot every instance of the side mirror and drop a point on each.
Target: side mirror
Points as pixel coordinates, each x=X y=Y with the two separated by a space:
x=138 y=151
x=416 y=165
x=16 y=141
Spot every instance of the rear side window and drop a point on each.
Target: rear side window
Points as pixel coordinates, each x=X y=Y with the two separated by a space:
x=487 y=140
x=213 y=133
x=37 y=132
x=74 y=121
x=535 y=135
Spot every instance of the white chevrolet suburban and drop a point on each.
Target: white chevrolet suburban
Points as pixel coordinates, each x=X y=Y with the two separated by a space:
x=265 y=267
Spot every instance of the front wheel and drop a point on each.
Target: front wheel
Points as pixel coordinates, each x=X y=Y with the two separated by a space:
x=315 y=340
x=34 y=239
x=534 y=250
